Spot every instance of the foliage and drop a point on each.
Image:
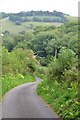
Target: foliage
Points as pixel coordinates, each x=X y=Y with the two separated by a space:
x=62 y=98
x=60 y=85
x=55 y=19
x=71 y=75
x=18 y=67
x=41 y=13
x=18 y=61
x=66 y=61
x=67 y=58
x=41 y=42
x=48 y=41
x=40 y=72
x=3 y=15
x=73 y=43
x=18 y=23
x=38 y=29
x=17 y=19
x=11 y=81
x=0 y=88
x=21 y=17
x=55 y=49
x=8 y=42
x=36 y=19
x=25 y=26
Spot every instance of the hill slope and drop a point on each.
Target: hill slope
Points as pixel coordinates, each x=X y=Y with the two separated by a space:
x=10 y=26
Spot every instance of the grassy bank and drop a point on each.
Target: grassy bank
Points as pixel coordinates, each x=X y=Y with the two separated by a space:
x=11 y=81
x=61 y=97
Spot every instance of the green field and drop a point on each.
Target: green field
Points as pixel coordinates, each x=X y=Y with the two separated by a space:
x=10 y=26
x=42 y=17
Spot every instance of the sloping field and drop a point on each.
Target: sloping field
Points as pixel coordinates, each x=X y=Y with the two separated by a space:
x=10 y=26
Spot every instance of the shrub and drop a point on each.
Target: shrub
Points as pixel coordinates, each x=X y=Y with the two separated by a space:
x=65 y=61
x=18 y=23
x=71 y=75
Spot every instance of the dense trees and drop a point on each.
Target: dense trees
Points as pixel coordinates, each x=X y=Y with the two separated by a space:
x=36 y=16
x=46 y=41
x=41 y=13
x=3 y=15
x=36 y=19
x=18 y=19
x=49 y=41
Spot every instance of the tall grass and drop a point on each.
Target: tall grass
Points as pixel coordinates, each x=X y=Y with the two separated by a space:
x=11 y=81
x=62 y=98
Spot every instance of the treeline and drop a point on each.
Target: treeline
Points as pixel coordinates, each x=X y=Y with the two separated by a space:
x=18 y=20
x=41 y=13
x=4 y=15
x=37 y=16
x=59 y=16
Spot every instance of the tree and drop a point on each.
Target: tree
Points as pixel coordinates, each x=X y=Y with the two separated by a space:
x=37 y=19
x=65 y=62
x=8 y=42
x=73 y=43
x=18 y=23
x=41 y=41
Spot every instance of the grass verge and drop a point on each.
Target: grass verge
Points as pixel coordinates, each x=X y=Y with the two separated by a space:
x=11 y=81
x=61 y=97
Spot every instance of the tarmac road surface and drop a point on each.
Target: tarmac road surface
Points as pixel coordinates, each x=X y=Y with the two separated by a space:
x=23 y=102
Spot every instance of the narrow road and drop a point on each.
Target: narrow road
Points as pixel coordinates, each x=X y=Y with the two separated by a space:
x=23 y=102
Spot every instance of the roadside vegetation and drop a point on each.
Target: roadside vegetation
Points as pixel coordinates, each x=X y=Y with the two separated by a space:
x=60 y=85
x=11 y=81
x=49 y=52
x=18 y=67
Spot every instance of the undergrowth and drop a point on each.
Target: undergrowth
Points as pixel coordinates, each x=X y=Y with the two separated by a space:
x=11 y=81
x=63 y=98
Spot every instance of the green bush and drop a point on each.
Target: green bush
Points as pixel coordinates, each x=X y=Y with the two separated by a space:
x=63 y=66
x=18 y=61
x=71 y=75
